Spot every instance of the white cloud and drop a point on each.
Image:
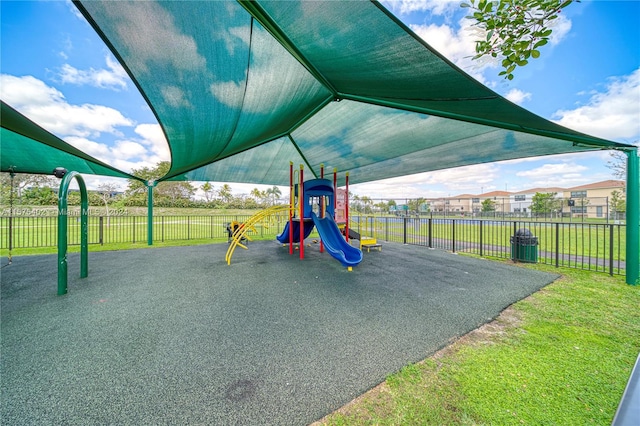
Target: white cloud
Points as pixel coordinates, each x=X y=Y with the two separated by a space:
x=94 y=181
x=129 y=149
x=456 y=45
x=127 y=154
x=433 y=184
x=437 y=7
x=612 y=114
x=558 y=170
x=47 y=107
x=114 y=77
x=517 y=96
x=98 y=150
x=27 y=90
x=561 y=27
x=153 y=137
x=74 y=11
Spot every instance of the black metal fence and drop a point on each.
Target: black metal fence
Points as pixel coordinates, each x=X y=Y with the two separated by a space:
x=598 y=247
x=42 y=231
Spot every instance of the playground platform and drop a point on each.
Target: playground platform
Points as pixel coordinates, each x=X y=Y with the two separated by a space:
x=177 y=336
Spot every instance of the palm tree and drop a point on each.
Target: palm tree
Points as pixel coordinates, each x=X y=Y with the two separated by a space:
x=274 y=193
x=366 y=201
x=355 y=202
x=225 y=193
x=208 y=190
x=257 y=194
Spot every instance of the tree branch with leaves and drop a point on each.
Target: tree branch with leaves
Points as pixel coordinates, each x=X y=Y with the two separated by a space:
x=514 y=30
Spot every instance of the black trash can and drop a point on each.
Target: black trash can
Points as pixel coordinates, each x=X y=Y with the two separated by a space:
x=524 y=246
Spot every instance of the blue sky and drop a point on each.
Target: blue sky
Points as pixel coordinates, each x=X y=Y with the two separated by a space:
x=57 y=71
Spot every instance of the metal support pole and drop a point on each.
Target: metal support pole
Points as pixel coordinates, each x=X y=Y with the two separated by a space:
x=292 y=203
x=12 y=175
x=335 y=191
x=150 y=185
x=322 y=207
x=302 y=206
x=633 y=218
x=346 y=210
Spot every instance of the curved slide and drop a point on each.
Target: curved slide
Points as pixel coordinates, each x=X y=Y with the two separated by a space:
x=335 y=243
x=284 y=237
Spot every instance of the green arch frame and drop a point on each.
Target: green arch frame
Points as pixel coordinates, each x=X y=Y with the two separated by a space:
x=62 y=230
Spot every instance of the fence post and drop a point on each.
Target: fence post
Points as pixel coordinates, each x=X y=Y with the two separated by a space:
x=453 y=235
x=150 y=184
x=188 y=227
x=162 y=228
x=133 y=229
x=404 y=230
x=10 y=233
x=481 y=239
x=386 y=229
x=101 y=230
x=611 y=249
x=557 y=243
x=430 y=232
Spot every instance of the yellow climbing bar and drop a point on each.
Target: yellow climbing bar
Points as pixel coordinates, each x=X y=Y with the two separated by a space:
x=249 y=225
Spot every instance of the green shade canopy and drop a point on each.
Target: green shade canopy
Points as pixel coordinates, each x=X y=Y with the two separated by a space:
x=241 y=89
x=25 y=147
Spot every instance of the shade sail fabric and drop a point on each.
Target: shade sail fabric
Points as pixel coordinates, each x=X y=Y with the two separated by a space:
x=241 y=89
x=25 y=147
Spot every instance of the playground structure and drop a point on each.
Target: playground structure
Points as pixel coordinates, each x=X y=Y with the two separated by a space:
x=315 y=203
x=241 y=233
x=365 y=242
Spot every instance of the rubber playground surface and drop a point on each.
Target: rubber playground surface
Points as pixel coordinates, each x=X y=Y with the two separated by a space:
x=176 y=336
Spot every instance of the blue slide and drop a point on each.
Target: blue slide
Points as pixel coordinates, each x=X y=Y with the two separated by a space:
x=284 y=237
x=335 y=243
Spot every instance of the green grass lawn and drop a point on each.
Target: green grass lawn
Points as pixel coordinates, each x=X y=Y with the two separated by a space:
x=560 y=357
